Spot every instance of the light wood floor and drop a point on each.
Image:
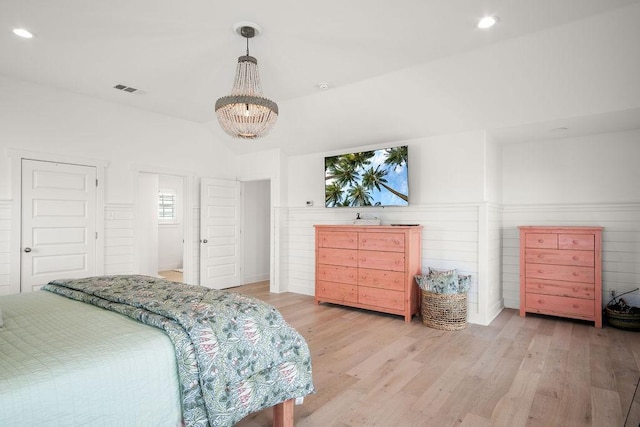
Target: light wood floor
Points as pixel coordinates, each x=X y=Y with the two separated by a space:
x=372 y=369
x=172 y=275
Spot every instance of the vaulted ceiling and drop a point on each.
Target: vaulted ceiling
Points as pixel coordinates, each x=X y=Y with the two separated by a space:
x=396 y=69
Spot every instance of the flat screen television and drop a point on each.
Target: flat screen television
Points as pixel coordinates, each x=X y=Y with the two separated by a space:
x=368 y=178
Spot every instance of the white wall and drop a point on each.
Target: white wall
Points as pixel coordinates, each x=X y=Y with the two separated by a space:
x=467 y=191
x=490 y=302
x=493 y=170
x=36 y=118
x=39 y=119
x=256 y=236
x=454 y=160
x=447 y=192
x=589 y=180
x=590 y=169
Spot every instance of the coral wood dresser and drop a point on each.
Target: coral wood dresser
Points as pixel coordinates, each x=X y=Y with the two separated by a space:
x=561 y=272
x=369 y=266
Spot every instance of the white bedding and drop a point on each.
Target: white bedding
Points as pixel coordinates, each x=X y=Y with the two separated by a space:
x=66 y=363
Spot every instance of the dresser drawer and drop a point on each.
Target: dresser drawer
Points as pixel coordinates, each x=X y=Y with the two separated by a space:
x=550 y=304
x=560 y=272
x=383 y=298
x=576 y=241
x=559 y=288
x=391 y=242
x=537 y=240
x=338 y=239
x=346 y=257
x=392 y=280
x=336 y=292
x=561 y=257
x=393 y=261
x=337 y=273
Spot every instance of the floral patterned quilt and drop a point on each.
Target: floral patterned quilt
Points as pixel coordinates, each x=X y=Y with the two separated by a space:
x=235 y=354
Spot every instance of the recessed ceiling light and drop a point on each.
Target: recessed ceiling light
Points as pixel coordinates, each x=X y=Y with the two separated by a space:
x=323 y=86
x=21 y=32
x=488 y=22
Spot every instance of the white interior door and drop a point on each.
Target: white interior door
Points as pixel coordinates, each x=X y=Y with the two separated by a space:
x=58 y=238
x=220 y=233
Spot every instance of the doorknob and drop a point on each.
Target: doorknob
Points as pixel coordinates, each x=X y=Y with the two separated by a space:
x=204 y=241
x=27 y=249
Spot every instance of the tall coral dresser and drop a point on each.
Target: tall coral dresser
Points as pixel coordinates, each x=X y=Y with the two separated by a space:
x=369 y=266
x=561 y=272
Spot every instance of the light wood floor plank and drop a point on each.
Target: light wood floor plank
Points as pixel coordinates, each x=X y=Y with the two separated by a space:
x=513 y=409
x=606 y=407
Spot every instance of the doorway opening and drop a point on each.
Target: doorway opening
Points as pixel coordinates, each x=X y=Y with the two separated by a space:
x=161 y=229
x=171 y=227
x=256 y=231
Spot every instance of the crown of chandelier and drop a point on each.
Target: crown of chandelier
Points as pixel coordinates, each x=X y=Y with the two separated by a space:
x=245 y=113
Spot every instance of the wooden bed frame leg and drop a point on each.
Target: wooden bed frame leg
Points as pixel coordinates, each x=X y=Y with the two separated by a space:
x=283 y=414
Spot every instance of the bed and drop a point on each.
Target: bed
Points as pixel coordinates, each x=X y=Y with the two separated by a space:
x=136 y=350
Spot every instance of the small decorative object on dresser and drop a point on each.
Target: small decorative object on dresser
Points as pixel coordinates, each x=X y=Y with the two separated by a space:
x=561 y=272
x=370 y=267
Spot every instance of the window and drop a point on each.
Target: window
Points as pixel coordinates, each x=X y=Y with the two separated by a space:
x=167 y=206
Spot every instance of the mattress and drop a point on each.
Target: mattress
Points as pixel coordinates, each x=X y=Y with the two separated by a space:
x=67 y=363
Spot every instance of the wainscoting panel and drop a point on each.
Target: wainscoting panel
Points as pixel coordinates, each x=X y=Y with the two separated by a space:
x=5 y=239
x=493 y=279
x=449 y=240
x=119 y=235
x=620 y=243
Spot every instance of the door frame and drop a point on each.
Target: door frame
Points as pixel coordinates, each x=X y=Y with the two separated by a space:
x=188 y=262
x=15 y=251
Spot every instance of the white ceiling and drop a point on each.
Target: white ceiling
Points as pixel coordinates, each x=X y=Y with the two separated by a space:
x=398 y=69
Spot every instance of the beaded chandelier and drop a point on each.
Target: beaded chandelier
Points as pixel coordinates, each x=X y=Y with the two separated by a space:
x=246 y=113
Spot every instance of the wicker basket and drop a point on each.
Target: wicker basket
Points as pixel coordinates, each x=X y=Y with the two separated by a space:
x=626 y=321
x=444 y=311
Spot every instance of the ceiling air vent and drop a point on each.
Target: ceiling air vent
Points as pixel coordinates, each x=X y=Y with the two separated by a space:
x=126 y=88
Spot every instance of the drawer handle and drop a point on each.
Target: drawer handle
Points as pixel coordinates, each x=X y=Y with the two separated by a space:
x=540 y=271
x=540 y=301
x=575 y=274
x=576 y=306
x=576 y=257
x=540 y=240
x=575 y=242
x=540 y=256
